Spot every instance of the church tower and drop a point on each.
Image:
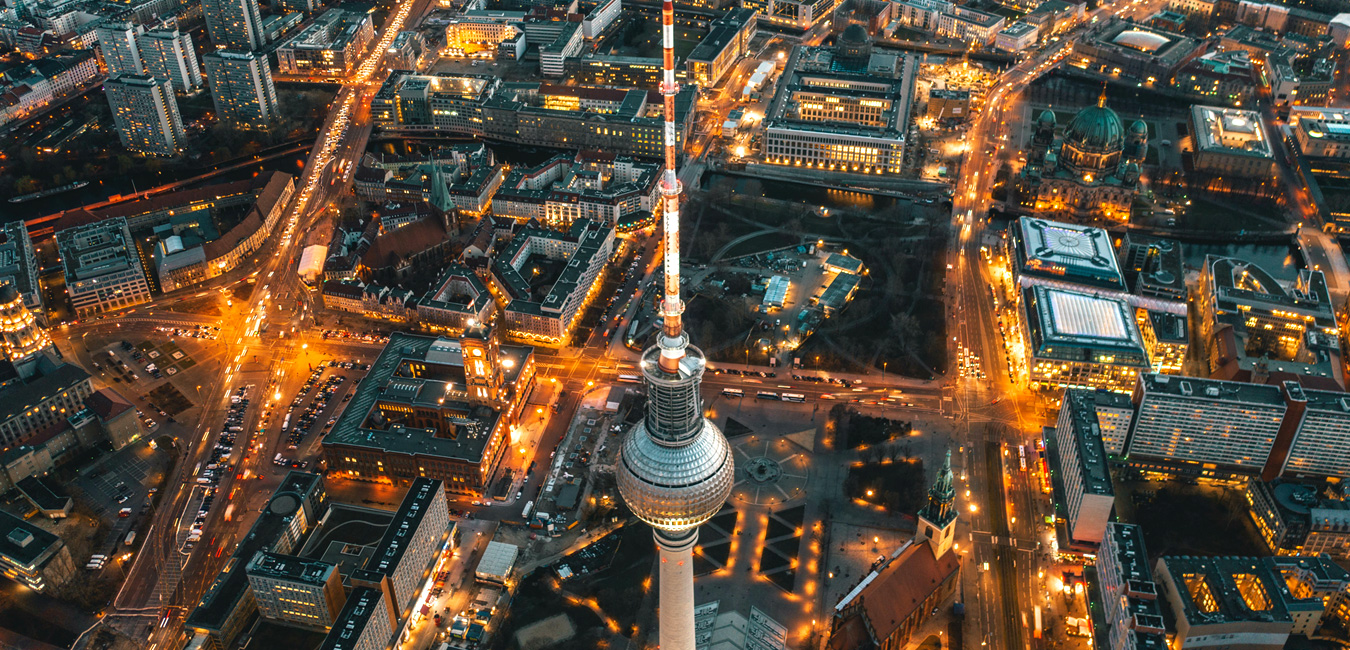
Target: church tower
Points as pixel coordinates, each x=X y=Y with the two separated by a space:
x=482 y=364
x=937 y=520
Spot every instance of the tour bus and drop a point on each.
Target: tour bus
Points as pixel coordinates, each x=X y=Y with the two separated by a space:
x=764 y=394
x=629 y=379
x=733 y=392
x=793 y=397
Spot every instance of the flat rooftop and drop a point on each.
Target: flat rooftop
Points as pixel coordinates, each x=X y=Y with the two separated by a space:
x=1224 y=590
x=1087 y=439
x=1066 y=252
x=1230 y=131
x=289 y=567
x=362 y=604
x=403 y=526
x=1211 y=389
x=1057 y=317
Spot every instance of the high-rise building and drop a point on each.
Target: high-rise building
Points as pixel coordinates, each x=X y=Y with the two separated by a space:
x=241 y=87
x=234 y=24
x=1204 y=425
x=332 y=45
x=1129 y=595
x=1077 y=450
x=675 y=467
x=168 y=54
x=146 y=114
x=409 y=550
x=102 y=266
x=19 y=265
x=117 y=41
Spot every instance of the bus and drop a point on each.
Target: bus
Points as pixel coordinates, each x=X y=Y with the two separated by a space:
x=793 y=397
x=733 y=392
x=525 y=512
x=629 y=379
x=764 y=394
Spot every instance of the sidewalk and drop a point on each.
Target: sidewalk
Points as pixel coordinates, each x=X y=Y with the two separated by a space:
x=786 y=373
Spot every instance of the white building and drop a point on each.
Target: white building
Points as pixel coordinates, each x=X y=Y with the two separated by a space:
x=169 y=54
x=234 y=24
x=242 y=89
x=1195 y=422
x=922 y=15
x=121 y=55
x=146 y=114
x=969 y=25
x=1016 y=37
x=1192 y=7
x=600 y=18
x=555 y=54
x=1231 y=142
x=331 y=46
x=1321 y=132
x=410 y=547
x=363 y=623
x=102 y=267
x=1078 y=451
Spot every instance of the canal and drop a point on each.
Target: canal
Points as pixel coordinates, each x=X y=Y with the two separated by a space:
x=797 y=193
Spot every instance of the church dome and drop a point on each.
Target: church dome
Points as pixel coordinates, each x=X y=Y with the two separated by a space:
x=1139 y=128
x=854 y=44
x=1096 y=128
x=1047 y=118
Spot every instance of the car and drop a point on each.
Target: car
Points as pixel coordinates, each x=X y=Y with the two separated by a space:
x=122 y=498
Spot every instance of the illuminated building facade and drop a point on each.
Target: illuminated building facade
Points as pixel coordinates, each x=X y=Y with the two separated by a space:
x=19 y=265
x=415 y=414
x=1298 y=519
x=403 y=560
x=146 y=114
x=1092 y=172
x=330 y=46
x=728 y=40
x=102 y=266
x=583 y=250
x=363 y=623
x=1129 y=595
x=619 y=71
x=1204 y=427
x=1231 y=142
x=1079 y=453
x=32 y=556
x=22 y=339
x=1075 y=339
x=1255 y=327
x=169 y=54
x=242 y=89
x=592 y=185
x=841 y=109
x=295 y=591
x=234 y=24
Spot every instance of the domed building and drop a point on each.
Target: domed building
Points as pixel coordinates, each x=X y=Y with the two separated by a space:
x=1090 y=172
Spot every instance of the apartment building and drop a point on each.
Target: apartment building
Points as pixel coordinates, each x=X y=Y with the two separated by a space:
x=234 y=24
x=241 y=88
x=295 y=591
x=404 y=558
x=1204 y=426
x=584 y=249
x=102 y=265
x=727 y=41
x=331 y=46
x=19 y=266
x=553 y=56
x=169 y=54
x=146 y=114
x=1129 y=595
x=363 y=623
x=1076 y=449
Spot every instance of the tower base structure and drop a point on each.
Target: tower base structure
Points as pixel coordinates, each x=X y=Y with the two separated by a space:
x=676 y=584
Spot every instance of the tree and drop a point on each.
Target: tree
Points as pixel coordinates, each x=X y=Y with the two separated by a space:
x=25 y=185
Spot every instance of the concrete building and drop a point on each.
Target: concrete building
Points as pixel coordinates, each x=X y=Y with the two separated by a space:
x=229 y=603
x=592 y=185
x=1257 y=328
x=241 y=87
x=969 y=25
x=1053 y=253
x=1219 y=77
x=19 y=266
x=1123 y=49
x=295 y=591
x=481 y=30
x=727 y=41
x=1313 y=440
x=1078 y=453
x=1016 y=37
x=457 y=301
x=1231 y=143
x=582 y=251
x=1203 y=427
x=1322 y=132
x=146 y=114
x=363 y=623
x=553 y=56
x=102 y=265
x=1129 y=595
x=169 y=54
x=331 y=46
x=599 y=18
x=234 y=24
x=401 y=424
x=1300 y=519
x=32 y=556
x=1076 y=339
x=1242 y=603
x=483 y=106
x=404 y=558
x=874 y=92
x=619 y=71
x=121 y=54
x=45 y=394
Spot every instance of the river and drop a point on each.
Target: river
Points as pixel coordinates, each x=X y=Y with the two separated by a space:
x=804 y=194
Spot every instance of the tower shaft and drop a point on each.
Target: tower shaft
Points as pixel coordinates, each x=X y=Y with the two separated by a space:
x=676 y=589
x=671 y=305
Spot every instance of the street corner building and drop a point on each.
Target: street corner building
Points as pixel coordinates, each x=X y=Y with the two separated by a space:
x=436 y=408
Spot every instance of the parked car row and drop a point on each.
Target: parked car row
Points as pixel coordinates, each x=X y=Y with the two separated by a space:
x=306 y=419
x=353 y=336
x=209 y=332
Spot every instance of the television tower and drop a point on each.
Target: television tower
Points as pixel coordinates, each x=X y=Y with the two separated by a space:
x=675 y=468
